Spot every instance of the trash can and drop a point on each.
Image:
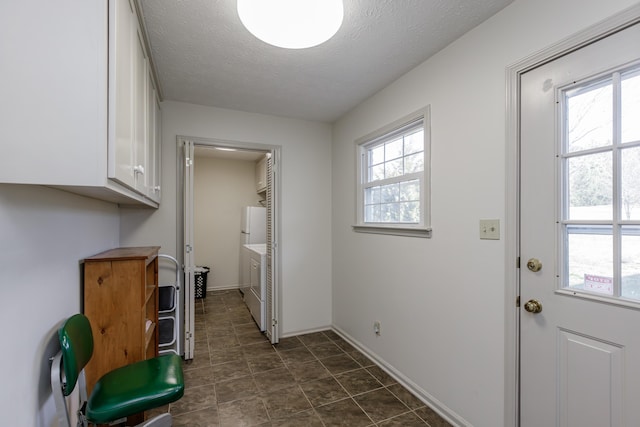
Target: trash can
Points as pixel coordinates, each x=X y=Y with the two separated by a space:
x=200 y=279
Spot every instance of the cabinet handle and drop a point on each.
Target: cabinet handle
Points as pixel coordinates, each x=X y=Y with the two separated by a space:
x=138 y=169
x=156 y=188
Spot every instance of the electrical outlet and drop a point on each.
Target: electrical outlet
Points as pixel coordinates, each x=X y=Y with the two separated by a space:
x=376 y=327
x=490 y=229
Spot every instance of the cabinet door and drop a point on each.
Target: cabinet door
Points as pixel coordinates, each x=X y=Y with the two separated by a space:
x=153 y=151
x=158 y=150
x=141 y=140
x=128 y=99
x=122 y=47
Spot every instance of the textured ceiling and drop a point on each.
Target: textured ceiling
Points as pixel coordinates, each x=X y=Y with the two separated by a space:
x=204 y=55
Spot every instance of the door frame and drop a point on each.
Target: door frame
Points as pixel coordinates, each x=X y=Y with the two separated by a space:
x=514 y=72
x=276 y=189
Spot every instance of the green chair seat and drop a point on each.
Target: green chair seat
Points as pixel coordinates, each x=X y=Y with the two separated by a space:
x=136 y=388
x=120 y=393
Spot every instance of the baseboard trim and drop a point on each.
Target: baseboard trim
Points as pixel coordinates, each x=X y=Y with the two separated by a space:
x=306 y=331
x=442 y=410
x=223 y=288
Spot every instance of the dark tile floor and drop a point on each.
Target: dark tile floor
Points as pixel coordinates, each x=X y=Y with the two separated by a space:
x=238 y=378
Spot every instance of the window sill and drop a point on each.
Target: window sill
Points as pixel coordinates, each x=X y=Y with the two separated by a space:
x=393 y=230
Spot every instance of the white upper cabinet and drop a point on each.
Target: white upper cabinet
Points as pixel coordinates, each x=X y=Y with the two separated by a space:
x=80 y=108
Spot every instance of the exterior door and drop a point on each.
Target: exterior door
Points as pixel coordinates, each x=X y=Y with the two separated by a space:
x=580 y=237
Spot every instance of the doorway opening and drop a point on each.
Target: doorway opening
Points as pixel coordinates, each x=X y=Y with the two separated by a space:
x=219 y=180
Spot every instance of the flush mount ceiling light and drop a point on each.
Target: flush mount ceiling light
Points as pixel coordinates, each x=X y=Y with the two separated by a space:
x=292 y=24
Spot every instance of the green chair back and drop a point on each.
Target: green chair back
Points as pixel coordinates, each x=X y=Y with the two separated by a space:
x=76 y=342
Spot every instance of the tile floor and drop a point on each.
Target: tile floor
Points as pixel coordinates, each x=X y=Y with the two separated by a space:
x=238 y=378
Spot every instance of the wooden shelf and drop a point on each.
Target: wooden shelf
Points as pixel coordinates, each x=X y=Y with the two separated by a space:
x=149 y=293
x=132 y=253
x=149 y=334
x=120 y=295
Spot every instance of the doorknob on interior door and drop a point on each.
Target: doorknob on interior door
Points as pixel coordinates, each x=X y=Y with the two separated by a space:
x=533 y=306
x=534 y=264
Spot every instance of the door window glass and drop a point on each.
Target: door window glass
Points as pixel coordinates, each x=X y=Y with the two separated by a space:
x=590 y=187
x=630 y=188
x=590 y=259
x=630 y=106
x=588 y=112
x=630 y=262
x=599 y=170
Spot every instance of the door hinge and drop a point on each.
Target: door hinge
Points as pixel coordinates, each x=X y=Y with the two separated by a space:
x=188 y=162
x=518 y=301
x=188 y=248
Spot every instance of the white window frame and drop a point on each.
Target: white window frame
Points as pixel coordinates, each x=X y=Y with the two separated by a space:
x=614 y=226
x=421 y=229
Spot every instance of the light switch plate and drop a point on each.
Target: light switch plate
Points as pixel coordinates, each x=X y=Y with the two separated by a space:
x=490 y=229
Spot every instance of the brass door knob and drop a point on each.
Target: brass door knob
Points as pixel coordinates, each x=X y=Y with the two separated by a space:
x=534 y=265
x=533 y=306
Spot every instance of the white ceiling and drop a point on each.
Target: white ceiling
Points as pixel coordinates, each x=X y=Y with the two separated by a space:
x=203 y=54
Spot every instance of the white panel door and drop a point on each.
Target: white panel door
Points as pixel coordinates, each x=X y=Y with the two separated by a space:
x=580 y=237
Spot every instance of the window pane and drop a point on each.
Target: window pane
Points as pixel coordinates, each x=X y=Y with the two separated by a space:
x=590 y=260
x=631 y=262
x=389 y=212
x=631 y=107
x=414 y=163
x=376 y=172
x=376 y=155
x=410 y=212
x=393 y=168
x=393 y=149
x=390 y=193
x=589 y=117
x=590 y=187
x=372 y=213
x=410 y=190
x=372 y=196
x=414 y=142
x=630 y=202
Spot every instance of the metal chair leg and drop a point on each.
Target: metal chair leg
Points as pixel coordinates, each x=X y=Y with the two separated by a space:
x=163 y=420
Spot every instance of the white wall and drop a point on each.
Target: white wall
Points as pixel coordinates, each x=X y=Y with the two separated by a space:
x=441 y=300
x=221 y=188
x=305 y=195
x=45 y=233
